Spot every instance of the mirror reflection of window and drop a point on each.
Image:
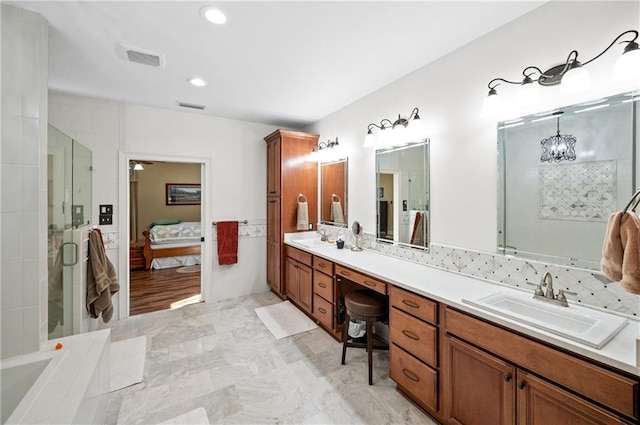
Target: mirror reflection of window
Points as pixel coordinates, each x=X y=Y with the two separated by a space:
x=402 y=195
x=557 y=211
x=333 y=192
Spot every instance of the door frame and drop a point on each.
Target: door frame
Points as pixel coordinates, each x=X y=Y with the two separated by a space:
x=123 y=227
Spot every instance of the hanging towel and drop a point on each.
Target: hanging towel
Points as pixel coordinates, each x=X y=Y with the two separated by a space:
x=621 y=251
x=303 y=213
x=418 y=230
x=336 y=210
x=102 y=280
x=227 y=242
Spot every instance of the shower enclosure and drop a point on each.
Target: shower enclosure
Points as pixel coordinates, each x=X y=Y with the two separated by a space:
x=69 y=208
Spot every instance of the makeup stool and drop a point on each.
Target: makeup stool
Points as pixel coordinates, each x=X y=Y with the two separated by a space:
x=371 y=307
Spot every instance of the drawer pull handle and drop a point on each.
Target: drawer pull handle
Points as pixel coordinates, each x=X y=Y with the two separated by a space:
x=410 y=335
x=322 y=310
x=410 y=304
x=371 y=284
x=322 y=285
x=521 y=385
x=507 y=377
x=343 y=273
x=410 y=375
x=322 y=265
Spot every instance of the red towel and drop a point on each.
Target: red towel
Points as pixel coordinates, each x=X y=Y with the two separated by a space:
x=227 y=242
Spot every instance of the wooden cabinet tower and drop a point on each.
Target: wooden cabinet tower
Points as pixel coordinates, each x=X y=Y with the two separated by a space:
x=289 y=174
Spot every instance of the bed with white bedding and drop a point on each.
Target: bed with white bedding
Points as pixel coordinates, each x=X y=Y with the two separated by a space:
x=172 y=245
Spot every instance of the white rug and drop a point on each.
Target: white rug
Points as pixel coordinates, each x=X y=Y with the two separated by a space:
x=284 y=319
x=127 y=362
x=194 y=417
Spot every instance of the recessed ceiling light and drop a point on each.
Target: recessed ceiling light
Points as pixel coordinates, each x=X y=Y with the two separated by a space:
x=213 y=15
x=196 y=81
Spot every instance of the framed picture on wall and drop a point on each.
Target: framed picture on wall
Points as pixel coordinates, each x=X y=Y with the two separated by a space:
x=183 y=194
x=381 y=192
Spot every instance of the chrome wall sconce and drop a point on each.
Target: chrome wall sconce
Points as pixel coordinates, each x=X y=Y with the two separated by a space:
x=325 y=151
x=559 y=147
x=572 y=75
x=400 y=131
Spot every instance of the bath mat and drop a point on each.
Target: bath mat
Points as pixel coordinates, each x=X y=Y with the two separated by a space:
x=194 y=417
x=284 y=319
x=127 y=362
x=189 y=269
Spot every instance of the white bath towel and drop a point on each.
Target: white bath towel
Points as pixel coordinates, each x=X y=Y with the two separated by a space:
x=303 y=213
x=336 y=210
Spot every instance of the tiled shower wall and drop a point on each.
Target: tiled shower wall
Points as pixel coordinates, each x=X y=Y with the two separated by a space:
x=592 y=287
x=23 y=208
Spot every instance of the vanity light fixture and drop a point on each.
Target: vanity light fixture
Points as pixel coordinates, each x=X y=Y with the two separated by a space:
x=398 y=132
x=559 y=147
x=572 y=75
x=320 y=151
x=213 y=15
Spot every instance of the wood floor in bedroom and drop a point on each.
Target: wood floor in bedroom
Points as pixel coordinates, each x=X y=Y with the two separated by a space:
x=155 y=290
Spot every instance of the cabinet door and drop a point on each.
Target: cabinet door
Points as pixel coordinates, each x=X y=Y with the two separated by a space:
x=305 y=287
x=273 y=245
x=542 y=403
x=273 y=168
x=479 y=388
x=293 y=282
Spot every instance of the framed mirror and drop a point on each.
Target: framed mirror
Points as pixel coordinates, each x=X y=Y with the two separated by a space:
x=402 y=194
x=554 y=204
x=333 y=192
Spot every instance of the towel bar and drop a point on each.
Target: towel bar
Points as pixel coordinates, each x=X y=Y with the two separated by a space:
x=215 y=223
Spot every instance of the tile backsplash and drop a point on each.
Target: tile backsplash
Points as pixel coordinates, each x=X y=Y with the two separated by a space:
x=592 y=287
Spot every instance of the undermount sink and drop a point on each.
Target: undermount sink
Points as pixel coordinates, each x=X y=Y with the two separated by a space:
x=311 y=242
x=590 y=327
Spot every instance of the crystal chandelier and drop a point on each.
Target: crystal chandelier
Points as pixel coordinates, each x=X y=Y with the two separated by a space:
x=559 y=147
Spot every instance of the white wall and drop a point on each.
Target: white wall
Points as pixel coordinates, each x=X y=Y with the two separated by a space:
x=450 y=92
x=23 y=209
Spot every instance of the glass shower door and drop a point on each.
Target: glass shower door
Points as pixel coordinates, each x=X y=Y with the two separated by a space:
x=69 y=206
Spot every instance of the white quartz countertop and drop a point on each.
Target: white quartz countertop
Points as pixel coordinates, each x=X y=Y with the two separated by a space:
x=450 y=288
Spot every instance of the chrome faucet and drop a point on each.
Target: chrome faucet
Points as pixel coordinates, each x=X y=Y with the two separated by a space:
x=323 y=236
x=547 y=281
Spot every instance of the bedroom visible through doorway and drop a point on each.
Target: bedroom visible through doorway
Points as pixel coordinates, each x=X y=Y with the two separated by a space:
x=165 y=236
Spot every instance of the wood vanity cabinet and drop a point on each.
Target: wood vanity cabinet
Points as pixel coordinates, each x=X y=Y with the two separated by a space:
x=324 y=301
x=413 y=349
x=299 y=278
x=493 y=376
x=288 y=174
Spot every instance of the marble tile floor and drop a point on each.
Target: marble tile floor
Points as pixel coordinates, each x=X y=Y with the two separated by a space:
x=221 y=357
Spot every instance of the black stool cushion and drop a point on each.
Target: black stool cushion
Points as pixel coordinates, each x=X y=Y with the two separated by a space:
x=365 y=303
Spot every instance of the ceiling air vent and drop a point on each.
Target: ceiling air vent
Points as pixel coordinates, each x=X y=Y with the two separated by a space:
x=191 y=105
x=142 y=56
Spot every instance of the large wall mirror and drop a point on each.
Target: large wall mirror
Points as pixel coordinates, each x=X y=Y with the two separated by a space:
x=561 y=174
x=402 y=198
x=333 y=192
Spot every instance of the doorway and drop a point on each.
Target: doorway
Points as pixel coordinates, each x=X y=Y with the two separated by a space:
x=165 y=234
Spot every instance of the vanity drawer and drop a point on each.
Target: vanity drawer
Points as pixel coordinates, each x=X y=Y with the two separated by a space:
x=325 y=266
x=361 y=279
x=323 y=311
x=414 y=304
x=415 y=336
x=323 y=285
x=297 y=254
x=414 y=376
x=592 y=381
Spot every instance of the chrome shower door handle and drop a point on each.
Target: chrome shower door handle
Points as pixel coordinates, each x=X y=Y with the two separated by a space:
x=75 y=254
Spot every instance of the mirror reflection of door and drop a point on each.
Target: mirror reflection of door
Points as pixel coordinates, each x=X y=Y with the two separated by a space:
x=386 y=205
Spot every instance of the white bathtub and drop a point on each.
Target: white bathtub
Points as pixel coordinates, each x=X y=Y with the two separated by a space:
x=70 y=385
